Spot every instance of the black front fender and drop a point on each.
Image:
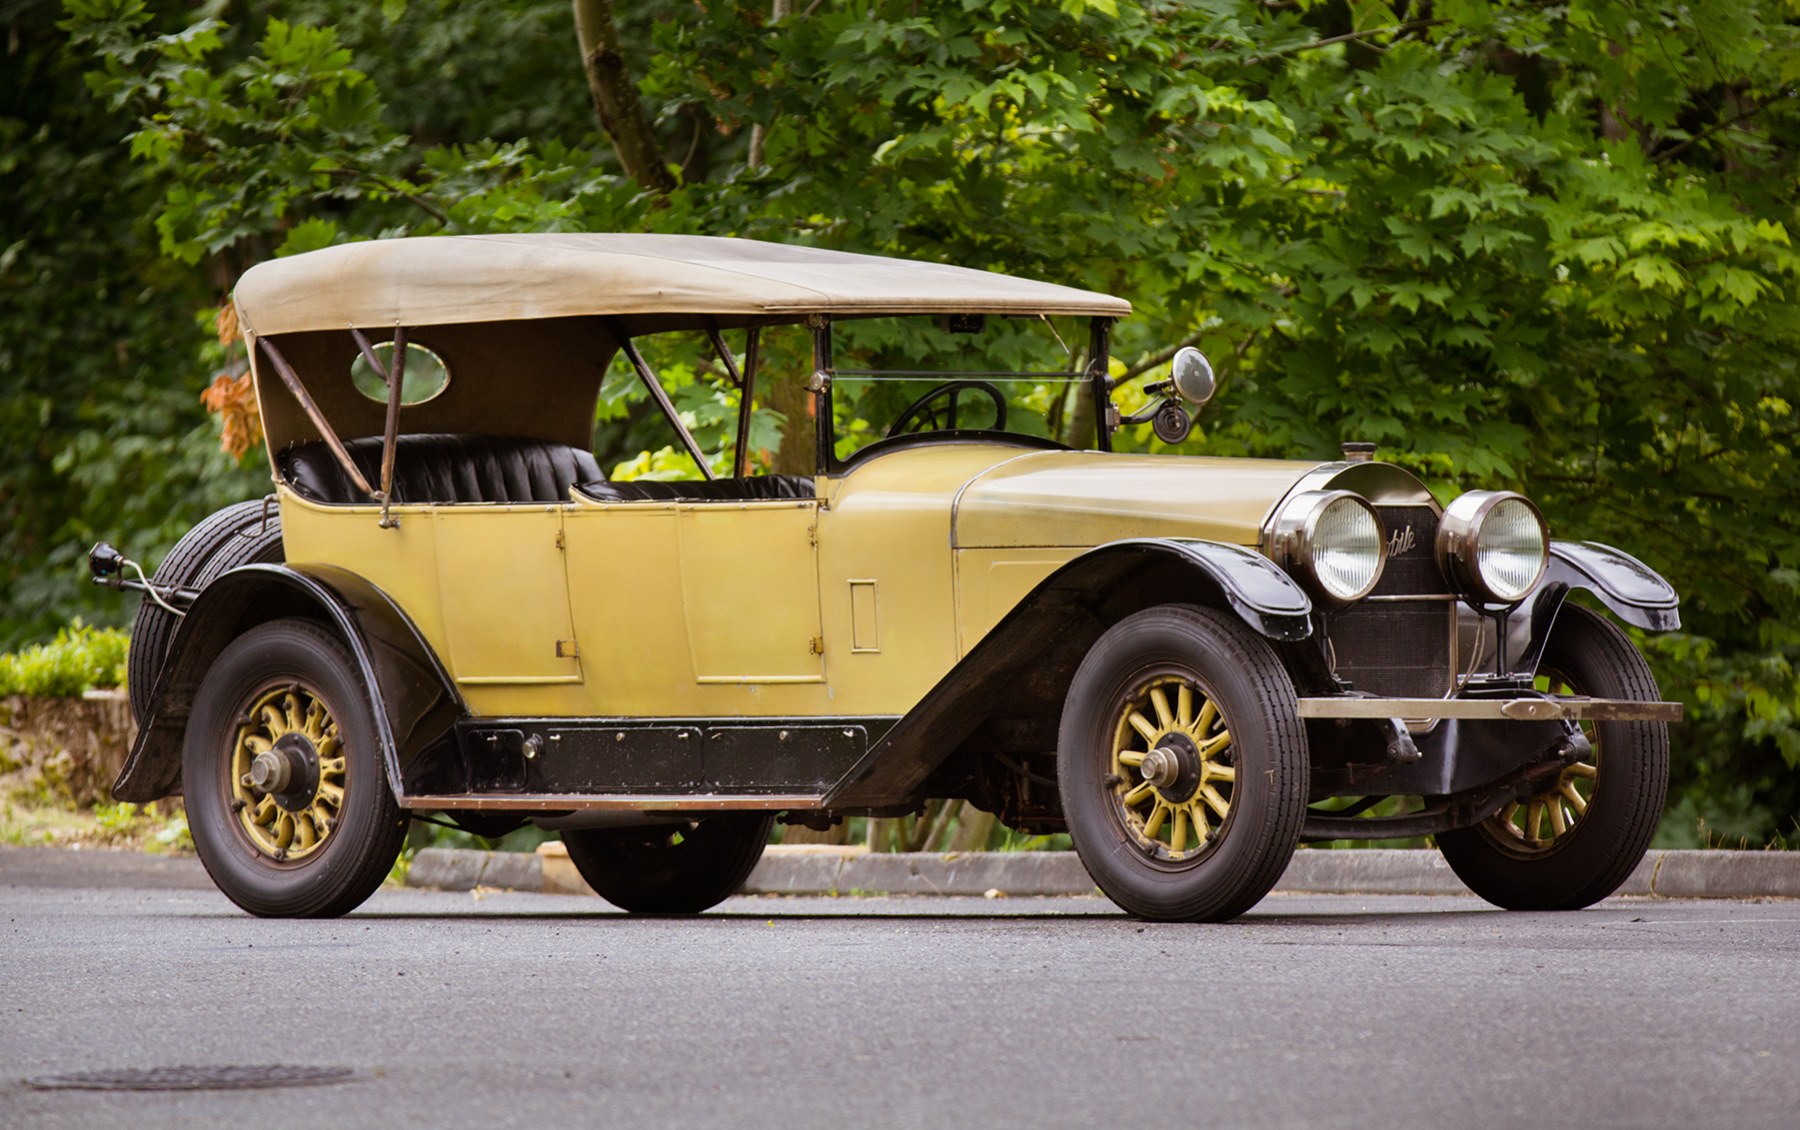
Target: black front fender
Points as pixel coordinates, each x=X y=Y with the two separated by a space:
x=411 y=697
x=1635 y=593
x=1255 y=588
x=1024 y=665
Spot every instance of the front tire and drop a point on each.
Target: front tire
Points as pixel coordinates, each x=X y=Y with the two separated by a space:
x=669 y=869
x=1183 y=765
x=287 y=796
x=1574 y=843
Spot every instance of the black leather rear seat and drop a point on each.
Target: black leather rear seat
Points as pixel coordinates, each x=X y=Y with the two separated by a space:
x=444 y=468
x=757 y=489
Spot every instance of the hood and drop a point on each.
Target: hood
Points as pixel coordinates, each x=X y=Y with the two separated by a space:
x=1088 y=498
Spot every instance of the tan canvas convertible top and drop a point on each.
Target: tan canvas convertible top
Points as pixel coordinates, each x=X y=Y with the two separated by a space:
x=440 y=280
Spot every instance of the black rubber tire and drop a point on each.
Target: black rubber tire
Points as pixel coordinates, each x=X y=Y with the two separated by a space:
x=359 y=851
x=1601 y=849
x=236 y=535
x=670 y=869
x=1234 y=667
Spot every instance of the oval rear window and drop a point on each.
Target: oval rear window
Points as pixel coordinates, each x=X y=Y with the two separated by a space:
x=426 y=374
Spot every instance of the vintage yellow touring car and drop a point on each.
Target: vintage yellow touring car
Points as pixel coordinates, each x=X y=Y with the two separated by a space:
x=1192 y=665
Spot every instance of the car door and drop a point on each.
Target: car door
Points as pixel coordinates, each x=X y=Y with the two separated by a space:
x=504 y=595
x=694 y=608
x=750 y=591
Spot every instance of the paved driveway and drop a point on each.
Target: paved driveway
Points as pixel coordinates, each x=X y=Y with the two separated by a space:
x=535 y=1010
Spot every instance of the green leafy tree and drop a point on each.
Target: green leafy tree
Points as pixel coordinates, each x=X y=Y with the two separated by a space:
x=1513 y=243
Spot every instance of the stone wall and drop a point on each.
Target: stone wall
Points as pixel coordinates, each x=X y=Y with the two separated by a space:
x=67 y=749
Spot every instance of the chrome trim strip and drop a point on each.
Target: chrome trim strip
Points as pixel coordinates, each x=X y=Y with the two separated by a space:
x=1410 y=597
x=1561 y=708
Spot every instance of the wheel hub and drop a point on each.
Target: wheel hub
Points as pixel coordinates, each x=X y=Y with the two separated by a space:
x=1173 y=768
x=287 y=771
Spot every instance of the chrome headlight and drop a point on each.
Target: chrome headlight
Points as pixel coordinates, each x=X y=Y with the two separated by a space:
x=1334 y=541
x=1493 y=545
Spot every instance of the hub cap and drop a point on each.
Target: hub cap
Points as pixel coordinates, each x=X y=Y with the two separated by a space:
x=1172 y=768
x=287 y=773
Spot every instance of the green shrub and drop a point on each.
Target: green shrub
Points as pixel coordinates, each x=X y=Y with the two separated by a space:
x=79 y=659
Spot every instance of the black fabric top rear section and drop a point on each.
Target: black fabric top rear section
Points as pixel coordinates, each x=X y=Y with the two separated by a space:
x=757 y=489
x=443 y=468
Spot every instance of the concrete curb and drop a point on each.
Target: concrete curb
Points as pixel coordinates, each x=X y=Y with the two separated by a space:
x=1664 y=874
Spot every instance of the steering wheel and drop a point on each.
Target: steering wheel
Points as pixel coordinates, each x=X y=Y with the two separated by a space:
x=927 y=415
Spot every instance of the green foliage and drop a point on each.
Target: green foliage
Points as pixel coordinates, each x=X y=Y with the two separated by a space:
x=80 y=659
x=1514 y=244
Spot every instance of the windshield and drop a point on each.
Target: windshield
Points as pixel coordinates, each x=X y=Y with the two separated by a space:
x=1019 y=376
x=894 y=380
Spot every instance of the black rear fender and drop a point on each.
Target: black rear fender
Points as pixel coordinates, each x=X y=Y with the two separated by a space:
x=412 y=698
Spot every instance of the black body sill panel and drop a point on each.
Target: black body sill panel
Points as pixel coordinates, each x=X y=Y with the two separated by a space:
x=625 y=757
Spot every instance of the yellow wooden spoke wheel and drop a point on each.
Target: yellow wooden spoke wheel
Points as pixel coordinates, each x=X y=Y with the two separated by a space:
x=1537 y=822
x=1172 y=767
x=287 y=773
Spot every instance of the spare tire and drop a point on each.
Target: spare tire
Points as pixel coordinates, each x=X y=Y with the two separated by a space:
x=237 y=535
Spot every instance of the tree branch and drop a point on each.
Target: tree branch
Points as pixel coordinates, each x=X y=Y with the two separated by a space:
x=1347 y=37
x=1160 y=357
x=616 y=101
x=1754 y=109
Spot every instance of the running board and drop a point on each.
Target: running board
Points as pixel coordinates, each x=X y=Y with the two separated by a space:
x=636 y=802
x=1562 y=708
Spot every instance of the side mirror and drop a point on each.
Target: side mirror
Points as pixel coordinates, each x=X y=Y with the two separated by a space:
x=1191 y=374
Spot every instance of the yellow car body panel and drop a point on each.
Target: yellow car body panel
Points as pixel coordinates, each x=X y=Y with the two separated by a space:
x=1088 y=498
x=853 y=604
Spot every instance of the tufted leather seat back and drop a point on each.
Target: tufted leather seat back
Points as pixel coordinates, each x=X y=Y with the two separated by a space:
x=444 y=468
x=759 y=488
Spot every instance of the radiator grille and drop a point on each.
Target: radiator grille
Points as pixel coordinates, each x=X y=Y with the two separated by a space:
x=1400 y=648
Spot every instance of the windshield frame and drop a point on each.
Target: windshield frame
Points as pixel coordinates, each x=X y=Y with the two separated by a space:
x=824 y=377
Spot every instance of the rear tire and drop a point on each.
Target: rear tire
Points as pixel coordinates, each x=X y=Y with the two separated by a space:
x=1608 y=806
x=236 y=535
x=670 y=869
x=319 y=830
x=1183 y=765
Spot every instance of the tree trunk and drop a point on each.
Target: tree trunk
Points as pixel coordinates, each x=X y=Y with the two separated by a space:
x=838 y=833
x=616 y=100
x=778 y=11
x=799 y=450
x=973 y=828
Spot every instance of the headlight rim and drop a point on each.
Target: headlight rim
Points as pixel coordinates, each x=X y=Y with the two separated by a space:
x=1292 y=539
x=1458 y=545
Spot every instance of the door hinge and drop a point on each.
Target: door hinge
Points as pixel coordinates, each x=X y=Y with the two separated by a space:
x=568 y=649
x=816 y=646
x=560 y=543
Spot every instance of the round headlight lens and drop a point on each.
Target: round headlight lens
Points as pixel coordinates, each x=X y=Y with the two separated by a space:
x=1334 y=541
x=1494 y=545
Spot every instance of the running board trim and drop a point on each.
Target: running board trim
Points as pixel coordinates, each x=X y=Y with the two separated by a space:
x=1570 y=708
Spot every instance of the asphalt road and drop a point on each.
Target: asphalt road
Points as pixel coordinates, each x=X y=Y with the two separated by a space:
x=534 y=1010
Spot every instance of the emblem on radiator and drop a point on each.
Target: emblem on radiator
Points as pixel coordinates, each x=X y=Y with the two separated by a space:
x=1401 y=540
